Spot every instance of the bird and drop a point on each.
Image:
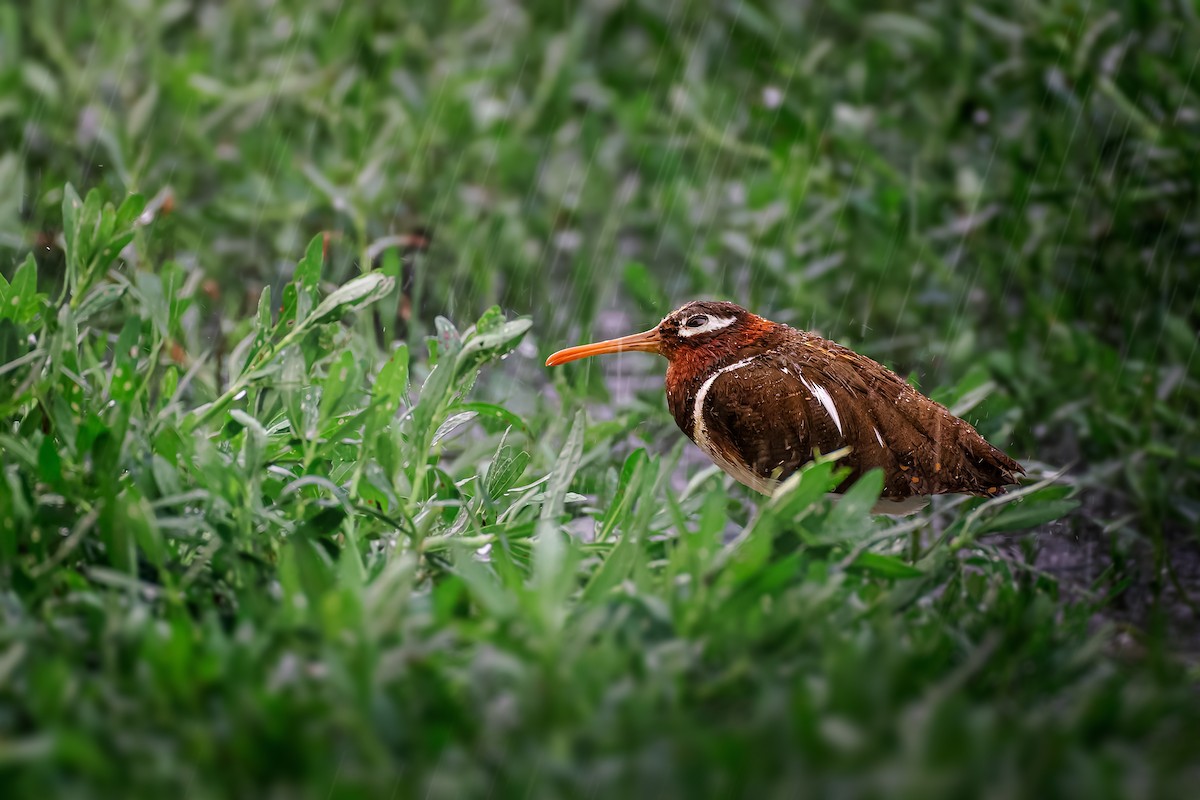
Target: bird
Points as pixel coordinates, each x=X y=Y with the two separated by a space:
x=761 y=399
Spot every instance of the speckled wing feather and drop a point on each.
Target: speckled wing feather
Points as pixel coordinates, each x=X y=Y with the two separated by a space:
x=771 y=413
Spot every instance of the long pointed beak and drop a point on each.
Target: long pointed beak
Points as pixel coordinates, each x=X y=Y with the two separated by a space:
x=646 y=342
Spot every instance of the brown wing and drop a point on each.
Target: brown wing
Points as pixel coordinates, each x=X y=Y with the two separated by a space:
x=759 y=416
x=822 y=396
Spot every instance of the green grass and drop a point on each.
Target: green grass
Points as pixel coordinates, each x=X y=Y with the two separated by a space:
x=245 y=550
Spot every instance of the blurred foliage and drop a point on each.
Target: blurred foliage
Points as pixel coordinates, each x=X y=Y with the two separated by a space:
x=945 y=185
x=246 y=550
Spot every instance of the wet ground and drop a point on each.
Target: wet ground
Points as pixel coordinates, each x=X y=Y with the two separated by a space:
x=1133 y=580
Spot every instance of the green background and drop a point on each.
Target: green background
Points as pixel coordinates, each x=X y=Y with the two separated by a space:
x=282 y=593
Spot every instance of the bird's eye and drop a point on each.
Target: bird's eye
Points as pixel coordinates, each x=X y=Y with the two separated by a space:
x=698 y=321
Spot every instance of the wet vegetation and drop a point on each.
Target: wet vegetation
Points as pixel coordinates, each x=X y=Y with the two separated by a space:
x=289 y=506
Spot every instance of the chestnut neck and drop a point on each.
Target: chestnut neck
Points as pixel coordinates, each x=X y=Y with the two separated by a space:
x=701 y=358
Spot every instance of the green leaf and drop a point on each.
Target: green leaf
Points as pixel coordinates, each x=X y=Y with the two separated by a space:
x=323 y=523
x=624 y=554
x=614 y=569
x=155 y=303
x=1038 y=508
x=553 y=555
x=111 y=250
x=105 y=215
x=884 y=566
x=170 y=383
x=389 y=387
x=262 y=330
x=564 y=470
x=125 y=377
x=800 y=492
x=118 y=537
x=300 y=398
x=431 y=402
x=72 y=207
x=748 y=555
x=307 y=275
x=795 y=498
x=850 y=518
x=166 y=477
x=627 y=485
x=494 y=411
x=312 y=567
x=288 y=307
x=98 y=299
x=308 y=271
x=479 y=348
x=130 y=210
x=12 y=347
x=21 y=299
x=452 y=421
x=50 y=463
x=137 y=516
x=351 y=296
x=255 y=446
x=490 y=321
x=505 y=470
x=554 y=560
x=483 y=585
x=343 y=379
x=448 y=340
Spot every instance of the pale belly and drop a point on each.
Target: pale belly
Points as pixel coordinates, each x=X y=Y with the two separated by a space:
x=901 y=507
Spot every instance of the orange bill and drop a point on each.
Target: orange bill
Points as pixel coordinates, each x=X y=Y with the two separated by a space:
x=646 y=342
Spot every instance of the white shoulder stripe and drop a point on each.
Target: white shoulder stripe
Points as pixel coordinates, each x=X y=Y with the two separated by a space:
x=699 y=428
x=740 y=472
x=822 y=394
x=827 y=401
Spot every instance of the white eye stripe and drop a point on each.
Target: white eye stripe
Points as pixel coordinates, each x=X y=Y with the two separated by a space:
x=713 y=324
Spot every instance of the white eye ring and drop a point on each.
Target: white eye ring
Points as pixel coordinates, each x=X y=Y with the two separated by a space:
x=710 y=324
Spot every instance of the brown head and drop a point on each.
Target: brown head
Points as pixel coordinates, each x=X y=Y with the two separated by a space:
x=695 y=335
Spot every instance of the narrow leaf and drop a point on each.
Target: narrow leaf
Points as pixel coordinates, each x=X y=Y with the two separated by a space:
x=564 y=470
x=356 y=294
x=885 y=566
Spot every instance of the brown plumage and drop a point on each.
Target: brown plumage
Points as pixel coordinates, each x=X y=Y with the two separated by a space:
x=759 y=398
